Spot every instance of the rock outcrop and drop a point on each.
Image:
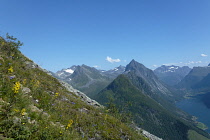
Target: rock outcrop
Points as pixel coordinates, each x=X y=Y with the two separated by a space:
x=83 y=97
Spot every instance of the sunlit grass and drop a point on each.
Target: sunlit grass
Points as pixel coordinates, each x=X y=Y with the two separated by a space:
x=47 y=110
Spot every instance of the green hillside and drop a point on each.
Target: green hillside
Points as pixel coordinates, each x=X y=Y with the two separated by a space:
x=146 y=112
x=35 y=106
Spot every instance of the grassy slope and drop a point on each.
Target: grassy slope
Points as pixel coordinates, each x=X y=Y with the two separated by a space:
x=34 y=105
x=193 y=135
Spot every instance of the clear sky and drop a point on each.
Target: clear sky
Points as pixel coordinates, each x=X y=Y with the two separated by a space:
x=107 y=33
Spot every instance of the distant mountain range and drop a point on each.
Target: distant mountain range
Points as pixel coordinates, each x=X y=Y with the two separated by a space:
x=197 y=81
x=171 y=75
x=143 y=93
x=148 y=100
x=113 y=73
x=88 y=79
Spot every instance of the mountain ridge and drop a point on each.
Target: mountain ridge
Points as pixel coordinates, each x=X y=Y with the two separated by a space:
x=88 y=79
x=171 y=75
x=143 y=109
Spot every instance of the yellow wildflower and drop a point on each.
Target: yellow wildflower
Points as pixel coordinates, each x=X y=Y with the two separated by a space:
x=37 y=83
x=23 y=112
x=61 y=133
x=69 y=124
x=10 y=70
x=16 y=110
x=16 y=87
x=56 y=94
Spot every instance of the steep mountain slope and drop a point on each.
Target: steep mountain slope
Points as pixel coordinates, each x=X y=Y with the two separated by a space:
x=148 y=76
x=62 y=74
x=145 y=80
x=113 y=73
x=202 y=86
x=195 y=76
x=34 y=105
x=88 y=79
x=171 y=75
x=146 y=112
x=84 y=78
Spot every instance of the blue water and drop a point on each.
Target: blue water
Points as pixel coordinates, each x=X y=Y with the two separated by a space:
x=196 y=107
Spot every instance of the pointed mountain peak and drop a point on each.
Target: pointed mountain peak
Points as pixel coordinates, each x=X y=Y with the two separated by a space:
x=209 y=65
x=121 y=67
x=134 y=65
x=133 y=61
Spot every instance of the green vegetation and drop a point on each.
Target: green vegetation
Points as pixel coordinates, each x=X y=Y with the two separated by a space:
x=201 y=126
x=193 y=135
x=145 y=112
x=35 y=106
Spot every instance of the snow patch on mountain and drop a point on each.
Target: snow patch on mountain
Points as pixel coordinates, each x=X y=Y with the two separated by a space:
x=69 y=71
x=116 y=69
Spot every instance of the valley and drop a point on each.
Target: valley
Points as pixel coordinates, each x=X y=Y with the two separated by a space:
x=133 y=85
x=105 y=70
x=196 y=107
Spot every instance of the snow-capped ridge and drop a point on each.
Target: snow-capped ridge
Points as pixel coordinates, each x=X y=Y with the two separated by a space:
x=69 y=71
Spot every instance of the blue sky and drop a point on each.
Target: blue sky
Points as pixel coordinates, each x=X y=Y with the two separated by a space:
x=108 y=33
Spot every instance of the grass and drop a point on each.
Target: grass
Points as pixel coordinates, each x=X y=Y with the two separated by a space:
x=193 y=135
x=201 y=126
x=47 y=110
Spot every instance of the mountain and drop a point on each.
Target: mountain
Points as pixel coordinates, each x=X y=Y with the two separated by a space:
x=145 y=80
x=62 y=74
x=171 y=75
x=113 y=73
x=202 y=86
x=145 y=111
x=35 y=105
x=196 y=75
x=88 y=79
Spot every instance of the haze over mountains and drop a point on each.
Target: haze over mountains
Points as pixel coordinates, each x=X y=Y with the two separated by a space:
x=148 y=95
x=196 y=81
x=88 y=79
x=171 y=75
x=91 y=80
x=125 y=99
